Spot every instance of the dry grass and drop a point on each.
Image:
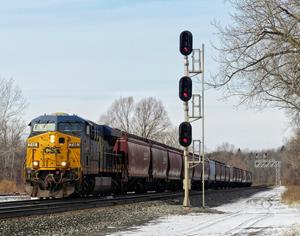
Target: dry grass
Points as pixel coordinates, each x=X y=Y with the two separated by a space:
x=291 y=195
x=294 y=230
x=8 y=187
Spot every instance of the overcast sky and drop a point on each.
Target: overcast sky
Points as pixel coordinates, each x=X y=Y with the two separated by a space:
x=78 y=56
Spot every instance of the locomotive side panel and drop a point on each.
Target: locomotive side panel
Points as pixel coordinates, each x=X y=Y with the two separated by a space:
x=89 y=157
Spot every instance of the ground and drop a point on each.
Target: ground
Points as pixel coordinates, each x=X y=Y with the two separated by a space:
x=244 y=211
x=260 y=214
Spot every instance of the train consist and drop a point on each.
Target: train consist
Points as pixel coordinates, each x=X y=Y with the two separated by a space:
x=68 y=155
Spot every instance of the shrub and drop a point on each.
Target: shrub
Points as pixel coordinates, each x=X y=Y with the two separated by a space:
x=8 y=187
x=291 y=195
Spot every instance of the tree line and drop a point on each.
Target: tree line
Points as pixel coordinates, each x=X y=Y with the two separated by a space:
x=259 y=62
x=12 y=126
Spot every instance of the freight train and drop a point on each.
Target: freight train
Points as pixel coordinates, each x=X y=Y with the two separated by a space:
x=68 y=155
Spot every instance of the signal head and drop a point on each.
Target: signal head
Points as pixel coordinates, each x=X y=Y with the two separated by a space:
x=186 y=43
x=185 y=134
x=185 y=88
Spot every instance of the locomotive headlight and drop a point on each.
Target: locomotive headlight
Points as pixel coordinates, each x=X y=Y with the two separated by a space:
x=35 y=163
x=52 y=138
x=63 y=163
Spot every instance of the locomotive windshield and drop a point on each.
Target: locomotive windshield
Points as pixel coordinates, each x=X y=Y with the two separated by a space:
x=65 y=127
x=71 y=127
x=43 y=127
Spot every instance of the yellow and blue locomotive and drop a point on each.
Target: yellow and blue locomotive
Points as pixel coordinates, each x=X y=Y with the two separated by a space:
x=69 y=155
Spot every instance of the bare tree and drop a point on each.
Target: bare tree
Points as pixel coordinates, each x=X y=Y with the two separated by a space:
x=150 y=118
x=170 y=137
x=259 y=54
x=12 y=104
x=120 y=114
x=291 y=159
x=226 y=147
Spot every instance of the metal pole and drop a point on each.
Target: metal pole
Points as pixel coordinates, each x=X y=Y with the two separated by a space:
x=279 y=172
x=203 y=158
x=186 y=181
x=278 y=180
x=276 y=174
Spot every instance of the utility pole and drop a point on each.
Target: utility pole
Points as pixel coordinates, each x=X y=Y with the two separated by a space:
x=202 y=116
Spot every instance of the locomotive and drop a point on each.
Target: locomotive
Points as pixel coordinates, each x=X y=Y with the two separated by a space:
x=68 y=155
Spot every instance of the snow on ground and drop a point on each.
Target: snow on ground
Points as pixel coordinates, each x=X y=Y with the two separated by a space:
x=9 y=198
x=260 y=214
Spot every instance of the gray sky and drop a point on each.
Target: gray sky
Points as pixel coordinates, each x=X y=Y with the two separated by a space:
x=77 y=56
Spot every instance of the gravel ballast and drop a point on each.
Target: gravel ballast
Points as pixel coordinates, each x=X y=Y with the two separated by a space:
x=101 y=221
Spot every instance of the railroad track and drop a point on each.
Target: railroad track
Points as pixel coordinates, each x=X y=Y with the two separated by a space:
x=37 y=207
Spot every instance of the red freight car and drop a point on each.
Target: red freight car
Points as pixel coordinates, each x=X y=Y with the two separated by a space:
x=198 y=172
x=218 y=173
x=175 y=164
x=159 y=162
x=149 y=165
x=138 y=157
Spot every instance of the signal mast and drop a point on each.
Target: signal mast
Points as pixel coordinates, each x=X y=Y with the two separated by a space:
x=186 y=94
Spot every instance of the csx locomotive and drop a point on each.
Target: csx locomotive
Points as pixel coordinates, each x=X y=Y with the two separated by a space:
x=68 y=155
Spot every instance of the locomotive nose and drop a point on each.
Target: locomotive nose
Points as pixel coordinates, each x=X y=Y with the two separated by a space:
x=50 y=150
x=55 y=150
